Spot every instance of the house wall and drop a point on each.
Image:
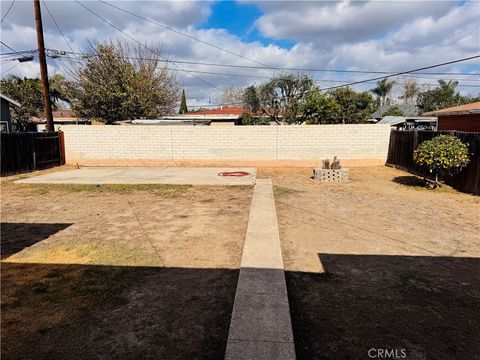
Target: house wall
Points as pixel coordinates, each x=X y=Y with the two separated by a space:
x=253 y=145
x=5 y=111
x=470 y=123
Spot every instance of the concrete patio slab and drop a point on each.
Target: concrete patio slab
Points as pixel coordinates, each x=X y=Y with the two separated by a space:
x=261 y=327
x=145 y=175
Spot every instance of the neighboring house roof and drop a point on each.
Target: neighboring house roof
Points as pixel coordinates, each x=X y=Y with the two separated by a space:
x=64 y=114
x=170 y=121
x=392 y=120
x=220 y=111
x=395 y=120
x=10 y=100
x=406 y=109
x=190 y=118
x=472 y=108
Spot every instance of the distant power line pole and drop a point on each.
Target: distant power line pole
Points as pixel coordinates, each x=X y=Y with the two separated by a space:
x=43 y=67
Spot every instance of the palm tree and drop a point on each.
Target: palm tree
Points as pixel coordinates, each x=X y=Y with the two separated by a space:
x=448 y=87
x=382 y=90
x=410 y=91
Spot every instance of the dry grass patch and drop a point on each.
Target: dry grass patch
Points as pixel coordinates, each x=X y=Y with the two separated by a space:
x=134 y=271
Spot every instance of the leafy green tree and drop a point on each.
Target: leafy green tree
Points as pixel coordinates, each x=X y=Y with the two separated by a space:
x=183 y=104
x=444 y=154
x=293 y=89
x=112 y=87
x=393 y=111
x=262 y=100
x=30 y=98
x=445 y=95
x=282 y=95
x=28 y=92
x=320 y=108
x=355 y=107
x=383 y=88
x=250 y=99
x=249 y=119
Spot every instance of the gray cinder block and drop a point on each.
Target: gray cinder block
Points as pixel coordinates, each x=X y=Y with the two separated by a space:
x=328 y=175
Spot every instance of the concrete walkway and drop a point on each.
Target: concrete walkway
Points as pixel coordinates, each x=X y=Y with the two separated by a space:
x=260 y=327
x=144 y=175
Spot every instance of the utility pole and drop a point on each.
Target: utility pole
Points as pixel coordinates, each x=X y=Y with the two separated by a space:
x=43 y=67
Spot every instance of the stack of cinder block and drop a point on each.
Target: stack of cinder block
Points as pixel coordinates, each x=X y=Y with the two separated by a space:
x=331 y=172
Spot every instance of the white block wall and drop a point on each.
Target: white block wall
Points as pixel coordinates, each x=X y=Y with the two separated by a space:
x=312 y=142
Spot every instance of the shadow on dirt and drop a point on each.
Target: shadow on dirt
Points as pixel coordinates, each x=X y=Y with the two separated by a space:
x=410 y=181
x=425 y=305
x=56 y=311
x=17 y=236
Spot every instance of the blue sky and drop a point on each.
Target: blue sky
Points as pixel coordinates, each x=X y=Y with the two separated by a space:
x=238 y=18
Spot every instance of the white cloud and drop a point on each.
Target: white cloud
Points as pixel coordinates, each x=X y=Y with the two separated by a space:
x=329 y=23
x=389 y=36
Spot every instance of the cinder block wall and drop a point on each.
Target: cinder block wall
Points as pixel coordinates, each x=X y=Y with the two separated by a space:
x=147 y=144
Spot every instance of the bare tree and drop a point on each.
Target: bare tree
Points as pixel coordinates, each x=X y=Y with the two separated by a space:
x=232 y=96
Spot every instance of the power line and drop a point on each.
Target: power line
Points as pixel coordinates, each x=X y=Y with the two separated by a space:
x=288 y=69
x=186 y=35
x=8 y=47
x=8 y=10
x=229 y=51
x=141 y=44
x=5 y=71
x=294 y=69
x=58 y=27
x=15 y=52
x=84 y=55
x=269 y=77
x=404 y=72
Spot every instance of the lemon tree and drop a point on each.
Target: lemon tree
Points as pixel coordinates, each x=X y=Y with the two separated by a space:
x=444 y=154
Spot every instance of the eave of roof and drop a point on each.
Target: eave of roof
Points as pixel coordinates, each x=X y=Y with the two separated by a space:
x=10 y=100
x=221 y=111
x=466 y=109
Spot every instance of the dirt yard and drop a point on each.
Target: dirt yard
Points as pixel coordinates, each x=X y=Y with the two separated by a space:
x=115 y=272
x=379 y=263
x=150 y=271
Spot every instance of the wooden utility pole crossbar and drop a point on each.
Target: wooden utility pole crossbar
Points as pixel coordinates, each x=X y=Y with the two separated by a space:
x=43 y=67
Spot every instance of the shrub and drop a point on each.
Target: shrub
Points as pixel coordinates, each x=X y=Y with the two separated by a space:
x=444 y=154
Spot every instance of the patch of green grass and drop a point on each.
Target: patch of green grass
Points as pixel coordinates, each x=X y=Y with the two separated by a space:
x=156 y=189
x=281 y=190
x=89 y=253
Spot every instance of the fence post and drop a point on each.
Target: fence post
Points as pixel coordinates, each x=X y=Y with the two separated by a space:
x=34 y=147
x=61 y=144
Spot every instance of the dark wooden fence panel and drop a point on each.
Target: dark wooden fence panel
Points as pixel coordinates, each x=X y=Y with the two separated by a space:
x=403 y=143
x=24 y=152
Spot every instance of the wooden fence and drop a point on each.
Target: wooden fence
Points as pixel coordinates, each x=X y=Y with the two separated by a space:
x=403 y=143
x=24 y=152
